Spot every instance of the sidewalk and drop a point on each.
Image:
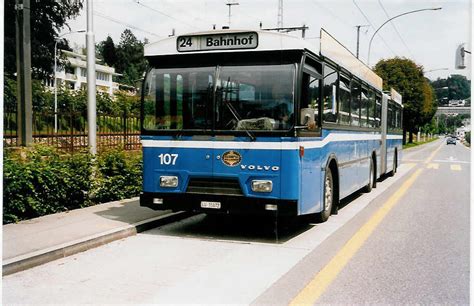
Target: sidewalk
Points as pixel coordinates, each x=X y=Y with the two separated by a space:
x=37 y=241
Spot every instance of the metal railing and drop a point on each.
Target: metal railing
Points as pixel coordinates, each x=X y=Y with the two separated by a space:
x=113 y=131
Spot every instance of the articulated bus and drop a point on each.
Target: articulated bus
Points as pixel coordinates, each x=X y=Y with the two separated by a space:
x=259 y=122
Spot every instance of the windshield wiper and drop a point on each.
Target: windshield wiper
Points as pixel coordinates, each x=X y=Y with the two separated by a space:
x=233 y=111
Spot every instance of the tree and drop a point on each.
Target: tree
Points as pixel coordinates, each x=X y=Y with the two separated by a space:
x=48 y=17
x=107 y=51
x=455 y=87
x=406 y=77
x=130 y=58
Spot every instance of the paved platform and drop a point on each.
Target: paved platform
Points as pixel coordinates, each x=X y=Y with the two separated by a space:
x=33 y=242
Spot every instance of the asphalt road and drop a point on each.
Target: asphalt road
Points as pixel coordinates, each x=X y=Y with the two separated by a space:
x=415 y=251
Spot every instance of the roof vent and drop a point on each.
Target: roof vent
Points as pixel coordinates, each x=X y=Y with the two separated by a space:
x=225 y=27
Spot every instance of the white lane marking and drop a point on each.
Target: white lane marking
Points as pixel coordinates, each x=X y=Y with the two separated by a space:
x=449 y=161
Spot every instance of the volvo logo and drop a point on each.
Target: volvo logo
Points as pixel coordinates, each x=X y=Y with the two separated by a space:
x=259 y=168
x=231 y=158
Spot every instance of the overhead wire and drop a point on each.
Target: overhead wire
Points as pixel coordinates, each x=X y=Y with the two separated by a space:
x=330 y=12
x=395 y=28
x=164 y=14
x=368 y=20
x=97 y=13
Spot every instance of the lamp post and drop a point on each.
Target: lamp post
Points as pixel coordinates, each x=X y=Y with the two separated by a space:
x=406 y=13
x=55 y=81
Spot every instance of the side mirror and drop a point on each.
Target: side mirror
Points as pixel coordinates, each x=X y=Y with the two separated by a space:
x=307 y=119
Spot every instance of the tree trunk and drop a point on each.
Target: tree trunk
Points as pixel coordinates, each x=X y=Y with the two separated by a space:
x=410 y=137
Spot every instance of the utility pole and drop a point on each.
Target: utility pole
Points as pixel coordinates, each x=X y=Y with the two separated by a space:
x=358 y=34
x=91 y=88
x=23 y=64
x=230 y=4
x=280 y=14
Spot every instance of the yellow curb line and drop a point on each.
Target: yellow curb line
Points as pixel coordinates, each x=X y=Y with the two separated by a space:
x=326 y=276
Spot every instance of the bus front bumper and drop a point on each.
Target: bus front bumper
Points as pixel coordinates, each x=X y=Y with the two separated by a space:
x=223 y=204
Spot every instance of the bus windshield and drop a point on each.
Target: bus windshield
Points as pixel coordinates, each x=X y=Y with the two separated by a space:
x=223 y=98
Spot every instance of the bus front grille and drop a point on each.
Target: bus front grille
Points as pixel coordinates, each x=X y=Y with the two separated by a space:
x=214 y=186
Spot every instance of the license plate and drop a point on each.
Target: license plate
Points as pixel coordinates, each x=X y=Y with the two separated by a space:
x=213 y=205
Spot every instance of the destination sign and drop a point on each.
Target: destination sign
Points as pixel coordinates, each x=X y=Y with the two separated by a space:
x=231 y=41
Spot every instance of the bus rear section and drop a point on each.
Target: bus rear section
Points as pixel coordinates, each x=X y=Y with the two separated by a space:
x=220 y=176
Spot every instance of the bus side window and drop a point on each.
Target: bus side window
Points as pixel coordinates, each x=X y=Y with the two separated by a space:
x=390 y=115
x=364 y=107
x=329 y=94
x=378 y=110
x=344 y=100
x=355 y=102
x=400 y=112
x=310 y=96
x=372 y=122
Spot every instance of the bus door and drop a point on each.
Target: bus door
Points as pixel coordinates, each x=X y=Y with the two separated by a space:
x=310 y=173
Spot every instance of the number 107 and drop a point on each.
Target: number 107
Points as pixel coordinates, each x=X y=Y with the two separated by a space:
x=168 y=159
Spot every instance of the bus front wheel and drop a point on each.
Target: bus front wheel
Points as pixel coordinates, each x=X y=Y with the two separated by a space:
x=328 y=198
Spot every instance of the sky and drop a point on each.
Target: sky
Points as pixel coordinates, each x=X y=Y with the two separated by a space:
x=429 y=38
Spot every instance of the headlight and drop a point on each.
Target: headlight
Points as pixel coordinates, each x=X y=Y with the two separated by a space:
x=168 y=181
x=262 y=186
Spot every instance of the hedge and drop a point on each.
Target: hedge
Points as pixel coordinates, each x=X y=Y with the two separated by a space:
x=42 y=180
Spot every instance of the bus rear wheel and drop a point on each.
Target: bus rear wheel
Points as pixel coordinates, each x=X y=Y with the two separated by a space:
x=368 y=187
x=394 y=169
x=328 y=198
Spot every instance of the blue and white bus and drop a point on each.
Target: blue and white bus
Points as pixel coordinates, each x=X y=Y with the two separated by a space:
x=258 y=122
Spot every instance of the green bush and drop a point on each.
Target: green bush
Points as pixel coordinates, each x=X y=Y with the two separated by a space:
x=468 y=137
x=41 y=180
x=119 y=176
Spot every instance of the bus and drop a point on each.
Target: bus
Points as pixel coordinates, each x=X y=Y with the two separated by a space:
x=263 y=123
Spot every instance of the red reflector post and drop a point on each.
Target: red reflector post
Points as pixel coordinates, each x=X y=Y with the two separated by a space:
x=301 y=151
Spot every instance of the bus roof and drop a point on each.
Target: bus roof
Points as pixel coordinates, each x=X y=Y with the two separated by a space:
x=228 y=41
x=396 y=97
x=339 y=54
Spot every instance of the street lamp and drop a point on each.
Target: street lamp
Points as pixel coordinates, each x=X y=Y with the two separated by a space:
x=406 y=13
x=55 y=67
x=436 y=70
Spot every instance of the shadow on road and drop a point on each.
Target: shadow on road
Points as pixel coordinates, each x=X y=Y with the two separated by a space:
x=243 y=229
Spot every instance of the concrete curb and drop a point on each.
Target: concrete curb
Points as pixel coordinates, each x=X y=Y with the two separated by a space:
x=40 y=257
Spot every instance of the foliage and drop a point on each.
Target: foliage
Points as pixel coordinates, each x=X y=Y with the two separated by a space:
x=414 y=144
x=107 y=51
x=455 y=87
x=48 y=18
x=41 y=98
x=41 y=180
x=127 y=57
x=406 y=77
x=467 y=137
x=449 y=124
x=119 y=176
x=72 y=107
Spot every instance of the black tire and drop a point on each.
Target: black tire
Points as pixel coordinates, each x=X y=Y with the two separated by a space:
x=394 y=170
x=370 y=185
x=328 y=198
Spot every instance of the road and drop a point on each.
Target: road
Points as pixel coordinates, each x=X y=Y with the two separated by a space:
x=405 y=242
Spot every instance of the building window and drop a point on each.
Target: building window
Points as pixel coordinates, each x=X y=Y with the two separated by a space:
x=102 y=76
x=84 y=72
